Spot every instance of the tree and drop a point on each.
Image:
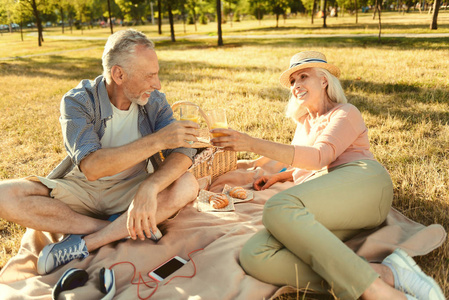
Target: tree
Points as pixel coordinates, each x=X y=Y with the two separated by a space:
x=159 y=16
x=191 y=6
x=258 y=8
x=133 y=10
x=378 y=8
x=81 y=7
x=61 y=6
x=110 y=17
x=324 y=14
x=310 y=5
x=35 y=6
x=436 y=7
x=171 y=21
x=220 y=34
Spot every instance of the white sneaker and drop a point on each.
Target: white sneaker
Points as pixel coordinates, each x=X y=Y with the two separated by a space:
x=410 y=279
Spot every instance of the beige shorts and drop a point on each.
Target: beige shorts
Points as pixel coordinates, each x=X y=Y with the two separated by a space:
x=98 y=198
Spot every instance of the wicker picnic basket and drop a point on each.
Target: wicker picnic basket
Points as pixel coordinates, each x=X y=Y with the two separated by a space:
x=210 y=161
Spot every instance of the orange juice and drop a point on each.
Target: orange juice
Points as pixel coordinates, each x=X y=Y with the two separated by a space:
x=219 y=125
x=190 y=118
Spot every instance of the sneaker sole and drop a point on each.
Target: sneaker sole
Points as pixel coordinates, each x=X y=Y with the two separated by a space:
x=42 y=265
x=408 y=263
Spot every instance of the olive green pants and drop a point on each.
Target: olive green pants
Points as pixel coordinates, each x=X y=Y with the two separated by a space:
x=305 y=226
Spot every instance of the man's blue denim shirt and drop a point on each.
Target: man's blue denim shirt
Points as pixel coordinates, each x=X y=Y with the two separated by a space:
x=84 y=112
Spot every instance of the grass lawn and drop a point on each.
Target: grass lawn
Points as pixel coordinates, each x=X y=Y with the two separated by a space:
x=399 y=85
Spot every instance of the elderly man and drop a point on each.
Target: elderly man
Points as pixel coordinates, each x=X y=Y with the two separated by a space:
x=116 y=129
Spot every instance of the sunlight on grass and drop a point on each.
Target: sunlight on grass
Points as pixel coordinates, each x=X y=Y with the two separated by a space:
x=400 y=88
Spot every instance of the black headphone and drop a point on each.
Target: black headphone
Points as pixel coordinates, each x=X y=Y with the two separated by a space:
x=73 y=278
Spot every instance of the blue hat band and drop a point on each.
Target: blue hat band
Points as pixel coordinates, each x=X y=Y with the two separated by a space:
x=308 y=60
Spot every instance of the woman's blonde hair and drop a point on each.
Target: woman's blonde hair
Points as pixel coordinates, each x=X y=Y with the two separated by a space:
x=334 y=92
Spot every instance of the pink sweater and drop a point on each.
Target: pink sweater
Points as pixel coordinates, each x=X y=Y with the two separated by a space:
x=337 y=137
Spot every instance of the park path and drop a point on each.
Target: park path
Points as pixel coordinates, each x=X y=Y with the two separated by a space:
x=227 y=38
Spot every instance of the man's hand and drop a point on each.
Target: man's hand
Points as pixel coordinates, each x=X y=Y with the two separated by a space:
x=178 y=134
x=142 y=212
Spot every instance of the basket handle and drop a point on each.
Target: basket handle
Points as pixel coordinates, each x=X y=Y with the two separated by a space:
x=203 y=114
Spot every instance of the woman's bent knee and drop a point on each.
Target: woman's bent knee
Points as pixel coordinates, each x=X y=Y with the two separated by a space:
x=278 y=208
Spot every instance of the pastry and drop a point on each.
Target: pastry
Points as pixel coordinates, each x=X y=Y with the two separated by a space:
x=218 y=200
x=238 y=192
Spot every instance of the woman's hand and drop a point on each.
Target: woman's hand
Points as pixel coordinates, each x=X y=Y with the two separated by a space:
x=232 y=140
x=264 y=182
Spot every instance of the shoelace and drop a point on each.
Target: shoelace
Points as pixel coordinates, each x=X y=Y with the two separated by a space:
x=67 y=255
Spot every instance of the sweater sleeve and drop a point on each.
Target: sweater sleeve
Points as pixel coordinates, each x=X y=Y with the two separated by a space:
x=343 y=128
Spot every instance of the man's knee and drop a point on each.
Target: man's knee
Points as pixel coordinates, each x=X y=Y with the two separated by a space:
x=16 y=190
x=187 y=187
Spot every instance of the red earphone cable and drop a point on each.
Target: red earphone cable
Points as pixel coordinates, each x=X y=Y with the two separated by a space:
x=146 y=283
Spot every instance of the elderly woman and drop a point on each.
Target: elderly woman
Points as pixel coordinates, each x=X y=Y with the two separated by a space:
x=340 y=190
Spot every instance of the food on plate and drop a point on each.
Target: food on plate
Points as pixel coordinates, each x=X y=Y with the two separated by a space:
x=238 y=192
x=218 y=200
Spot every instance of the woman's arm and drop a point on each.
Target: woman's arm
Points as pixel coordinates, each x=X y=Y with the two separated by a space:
x=239 y=141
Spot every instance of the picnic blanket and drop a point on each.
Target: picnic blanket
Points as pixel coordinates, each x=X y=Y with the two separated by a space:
x=210 y=241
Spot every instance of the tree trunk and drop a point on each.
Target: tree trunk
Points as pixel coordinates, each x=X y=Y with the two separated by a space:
x=379 y=10
x=194 y=16
x=159 y=14
x=436 y=7
x=172 y=25
x=110 y=16
x=375 y=10
x=313 y=9
x=277 y=20
x=324 y=14
x=40 y=36
x=61 y=10
x=220 y=34
x=356 y=12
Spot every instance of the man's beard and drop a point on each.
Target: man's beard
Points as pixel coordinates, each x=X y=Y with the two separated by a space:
x=135 y=99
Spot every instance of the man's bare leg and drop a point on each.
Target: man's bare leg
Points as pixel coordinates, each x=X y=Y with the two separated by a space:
x=176 y=196
x=28 y=203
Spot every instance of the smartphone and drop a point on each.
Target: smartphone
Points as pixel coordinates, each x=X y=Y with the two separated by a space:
x=167 y=268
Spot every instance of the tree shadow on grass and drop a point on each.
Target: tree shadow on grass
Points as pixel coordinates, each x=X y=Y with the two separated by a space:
x=341 y=26
x=403 y=106
x=399 y=43
x=53 y=67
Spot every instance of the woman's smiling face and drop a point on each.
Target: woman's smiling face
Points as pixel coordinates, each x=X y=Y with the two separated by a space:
x=308 y=88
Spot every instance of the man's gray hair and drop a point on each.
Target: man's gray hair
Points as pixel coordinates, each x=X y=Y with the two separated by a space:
x=120 y=48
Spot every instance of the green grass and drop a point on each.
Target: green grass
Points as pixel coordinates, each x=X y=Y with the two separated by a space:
x=400 y=85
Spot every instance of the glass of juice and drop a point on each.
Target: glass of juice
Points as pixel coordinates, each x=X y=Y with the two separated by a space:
x=217 y=118
x=189 y=113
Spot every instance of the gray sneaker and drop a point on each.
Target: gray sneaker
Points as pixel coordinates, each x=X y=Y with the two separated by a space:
x=60 y=253
x=410 y=279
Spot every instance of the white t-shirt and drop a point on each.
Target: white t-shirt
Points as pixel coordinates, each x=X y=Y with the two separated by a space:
x=120 y=130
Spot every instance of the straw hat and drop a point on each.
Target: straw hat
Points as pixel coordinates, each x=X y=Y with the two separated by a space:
x=307 y=59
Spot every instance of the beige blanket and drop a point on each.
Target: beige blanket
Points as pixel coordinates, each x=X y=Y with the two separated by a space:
x=221 y=235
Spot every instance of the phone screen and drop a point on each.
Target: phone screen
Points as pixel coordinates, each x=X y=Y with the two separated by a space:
x=168 y=268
